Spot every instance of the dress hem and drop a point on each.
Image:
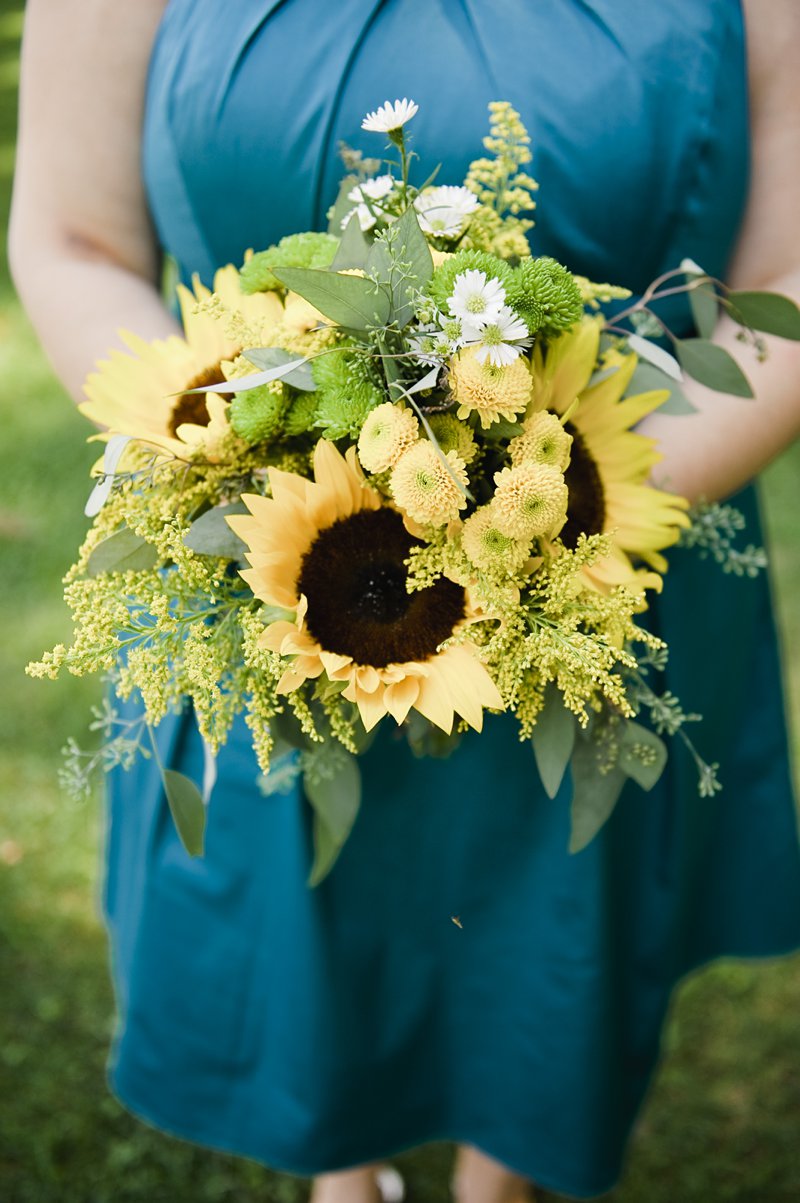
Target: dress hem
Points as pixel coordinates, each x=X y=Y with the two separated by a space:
x=197 y=1135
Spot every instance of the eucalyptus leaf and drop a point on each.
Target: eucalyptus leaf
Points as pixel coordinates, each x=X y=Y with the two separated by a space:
x=341 y=206
x=300 y=376
x=351 y=301
x=111 y=457
x=242 y=383
x=594 y=795
x=210 y=535
x=414 y=265
x=712 y=366
x=647 y=379
x=553 y=740
x=122 y=552
x=187 y=809
x=642 y=754
x=655 y=355
x=353 y=249
x=335 y=797
x=769 y=312
x=704 y=304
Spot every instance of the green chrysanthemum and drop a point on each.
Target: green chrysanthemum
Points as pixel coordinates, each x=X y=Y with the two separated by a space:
x=453 y=435
x=489 y=548
x=257 y=414
x=348 y=389
x=440 y=285
x=301 y=415
x=296 y=250
x=545 y=295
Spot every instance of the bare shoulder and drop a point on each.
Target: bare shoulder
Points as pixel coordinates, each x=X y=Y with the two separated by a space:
x=84 y=68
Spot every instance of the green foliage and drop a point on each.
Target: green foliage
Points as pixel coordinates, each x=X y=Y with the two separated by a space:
x=121 y=552
x=332 y=783
x=187 y=810
x=714 y=531
x=210 y=534
x=765 y=311
x=307 y=250
x=553 y=740
x=712 y=366
x=353 y=302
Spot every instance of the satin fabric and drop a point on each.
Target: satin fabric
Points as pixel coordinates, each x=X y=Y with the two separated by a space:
x=316 y=1029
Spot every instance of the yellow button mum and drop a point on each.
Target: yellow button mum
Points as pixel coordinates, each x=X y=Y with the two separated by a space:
x=529 y=500
x=425 y=484
x=492 y=393
x=388 y=431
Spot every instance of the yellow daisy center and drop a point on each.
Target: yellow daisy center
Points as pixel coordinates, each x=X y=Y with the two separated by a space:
x=354 y=579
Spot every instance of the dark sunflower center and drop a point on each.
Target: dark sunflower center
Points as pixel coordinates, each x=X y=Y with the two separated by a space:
x=586 y=512
x=354 y=578
x=191 y=407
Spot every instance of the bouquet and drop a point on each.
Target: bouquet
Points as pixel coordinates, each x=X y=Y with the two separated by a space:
x=390 y=475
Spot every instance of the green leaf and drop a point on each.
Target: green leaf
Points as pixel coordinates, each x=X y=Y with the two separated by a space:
x=712 y=366
x=594 y=795
x=553 y=740
x=642 y=754
x=646 y=379
x=350 y=301
x=353 y=249
x=769 y=312
x=187 y=810
x=341 y=206
x=705 y=308
x=300 y=376
x=122 y=552
x=410 y=251
x=210 y=535
x=336 y=797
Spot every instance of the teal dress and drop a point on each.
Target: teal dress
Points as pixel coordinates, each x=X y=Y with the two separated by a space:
x=316 y=1029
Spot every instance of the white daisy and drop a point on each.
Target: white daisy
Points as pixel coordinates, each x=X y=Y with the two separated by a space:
x=390 y=117
x=365 y=194
x=444 y=211
x=476 y=299
x=500 y=340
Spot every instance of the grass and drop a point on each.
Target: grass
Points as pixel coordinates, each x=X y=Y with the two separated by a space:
x=721 y=1123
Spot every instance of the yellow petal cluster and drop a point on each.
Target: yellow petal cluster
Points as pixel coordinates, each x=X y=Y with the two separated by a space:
x=388 y=431
x=489 y=548
x=543 y=441
x=490 y=392
x=425 y=484
x=530 y=499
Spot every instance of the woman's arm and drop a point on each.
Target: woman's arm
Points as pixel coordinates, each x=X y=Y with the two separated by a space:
x=717 y=450
x=82 y=252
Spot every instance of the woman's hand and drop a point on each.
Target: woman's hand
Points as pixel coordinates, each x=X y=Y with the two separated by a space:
x=718 y=449
x=81 y=247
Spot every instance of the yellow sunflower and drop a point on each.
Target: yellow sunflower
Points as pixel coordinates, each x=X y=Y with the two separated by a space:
x=609 y=463
x=333 y=552
x=145 y=393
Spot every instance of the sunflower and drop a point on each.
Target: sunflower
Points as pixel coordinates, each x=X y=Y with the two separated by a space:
x=609 y=463
x=333 y=552
x=146 y=393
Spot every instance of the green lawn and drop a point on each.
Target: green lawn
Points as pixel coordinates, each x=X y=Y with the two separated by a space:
x=723 y=1120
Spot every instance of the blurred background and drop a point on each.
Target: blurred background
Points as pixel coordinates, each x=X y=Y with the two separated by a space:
x=722 y=1122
